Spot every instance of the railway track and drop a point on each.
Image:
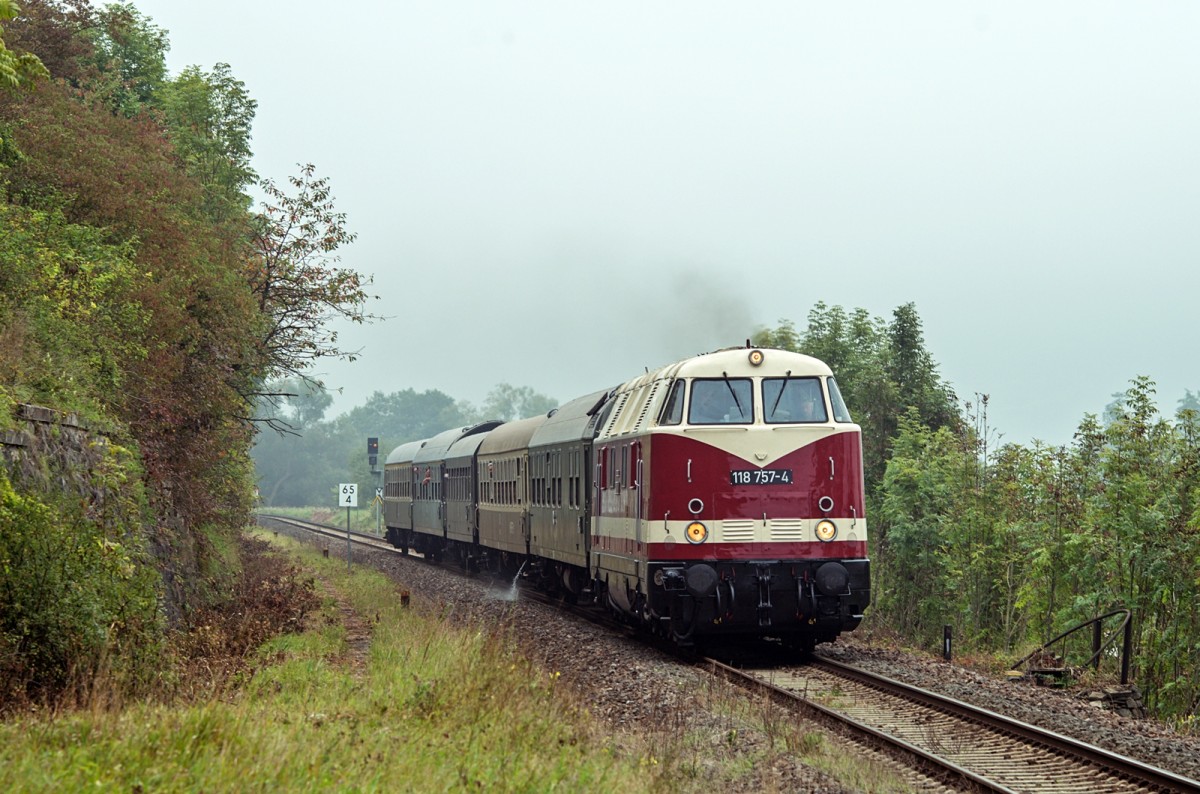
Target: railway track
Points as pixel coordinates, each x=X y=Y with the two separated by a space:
x=949 y=739
x=333 y=534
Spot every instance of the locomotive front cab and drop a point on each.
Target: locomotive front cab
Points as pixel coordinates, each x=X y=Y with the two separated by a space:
x=757 y=482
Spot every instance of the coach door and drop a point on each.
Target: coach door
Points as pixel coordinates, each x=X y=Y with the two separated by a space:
x=635 y=491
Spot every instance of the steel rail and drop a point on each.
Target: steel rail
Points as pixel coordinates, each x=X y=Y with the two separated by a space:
x=1123 y=766
x=332 y=532
x=933 y=765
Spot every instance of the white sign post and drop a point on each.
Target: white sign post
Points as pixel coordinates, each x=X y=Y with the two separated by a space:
x=348 y=498
x=378 y=506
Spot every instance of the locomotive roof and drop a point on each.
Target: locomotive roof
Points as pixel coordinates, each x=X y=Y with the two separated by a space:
x=638 y=401
x=734 y=361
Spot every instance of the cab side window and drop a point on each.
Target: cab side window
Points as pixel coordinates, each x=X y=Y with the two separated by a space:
x=672 y=413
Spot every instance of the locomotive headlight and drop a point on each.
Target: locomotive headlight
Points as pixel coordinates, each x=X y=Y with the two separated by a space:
x=826 y=530
x=696 y=532
x=756 y=357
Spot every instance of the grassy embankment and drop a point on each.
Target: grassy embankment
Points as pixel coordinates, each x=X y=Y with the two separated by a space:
x=434 y=708
x=431 y=706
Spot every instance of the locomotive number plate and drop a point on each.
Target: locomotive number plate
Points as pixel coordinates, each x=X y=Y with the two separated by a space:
x=760 y=477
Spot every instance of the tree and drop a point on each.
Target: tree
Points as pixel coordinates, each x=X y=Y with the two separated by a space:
x=208 y=117
x=297 y=467
x=130 y=56
x=401 y=416
x=911 y=368
x=16 y=70
x=293 y=276
x=52 y=29
x=882 y=369
x=291 y=465
x=507 y=402
x=67 y=305
x=915 y=578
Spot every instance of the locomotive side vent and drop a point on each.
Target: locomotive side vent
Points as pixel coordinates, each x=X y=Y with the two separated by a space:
x=615 y=416
x=641 y=420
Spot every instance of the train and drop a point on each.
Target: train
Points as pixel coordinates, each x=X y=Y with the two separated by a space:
x=716 y=498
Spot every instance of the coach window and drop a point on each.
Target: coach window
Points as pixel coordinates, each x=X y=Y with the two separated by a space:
x=558 y=474
x=573 y=483
x=721 y=401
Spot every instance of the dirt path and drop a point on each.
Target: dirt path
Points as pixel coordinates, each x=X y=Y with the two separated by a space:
x=358 y=629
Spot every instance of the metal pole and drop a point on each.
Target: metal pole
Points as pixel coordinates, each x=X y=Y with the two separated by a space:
x=947 y=641
x=1126 y=650
x=347 y=540
x=1096 y=638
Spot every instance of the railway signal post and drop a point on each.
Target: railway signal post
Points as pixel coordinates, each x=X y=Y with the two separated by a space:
x=373 y=461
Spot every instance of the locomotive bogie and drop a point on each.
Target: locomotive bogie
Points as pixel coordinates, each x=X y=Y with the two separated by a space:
x=774 y=598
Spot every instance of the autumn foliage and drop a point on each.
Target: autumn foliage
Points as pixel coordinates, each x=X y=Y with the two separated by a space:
x=137 y=287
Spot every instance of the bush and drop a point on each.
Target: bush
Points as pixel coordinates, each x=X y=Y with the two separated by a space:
x=76 y=607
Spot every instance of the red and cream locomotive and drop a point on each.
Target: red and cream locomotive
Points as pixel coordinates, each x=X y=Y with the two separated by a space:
x=721 y=495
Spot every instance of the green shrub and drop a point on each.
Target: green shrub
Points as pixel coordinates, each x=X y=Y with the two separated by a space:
x=77 y=606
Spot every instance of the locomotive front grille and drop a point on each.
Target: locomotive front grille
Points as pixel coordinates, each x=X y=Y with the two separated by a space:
x=787 y=529
x=737 y=530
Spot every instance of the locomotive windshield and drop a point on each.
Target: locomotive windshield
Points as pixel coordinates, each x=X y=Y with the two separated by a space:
x=722 y=401
x=792 y=400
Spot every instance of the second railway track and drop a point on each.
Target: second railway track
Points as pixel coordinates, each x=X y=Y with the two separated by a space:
x=981 y=749
x=330 y=533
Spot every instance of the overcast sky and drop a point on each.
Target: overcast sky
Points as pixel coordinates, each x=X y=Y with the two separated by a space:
x=559 y=194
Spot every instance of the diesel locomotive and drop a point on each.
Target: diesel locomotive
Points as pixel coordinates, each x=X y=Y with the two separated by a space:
x=718 y=496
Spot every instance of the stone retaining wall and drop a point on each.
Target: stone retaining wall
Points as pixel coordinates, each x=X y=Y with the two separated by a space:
x=51 y=449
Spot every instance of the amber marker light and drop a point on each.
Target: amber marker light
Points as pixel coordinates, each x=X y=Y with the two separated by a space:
x=756 y=357
x=826 y=530
x=696 y=532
